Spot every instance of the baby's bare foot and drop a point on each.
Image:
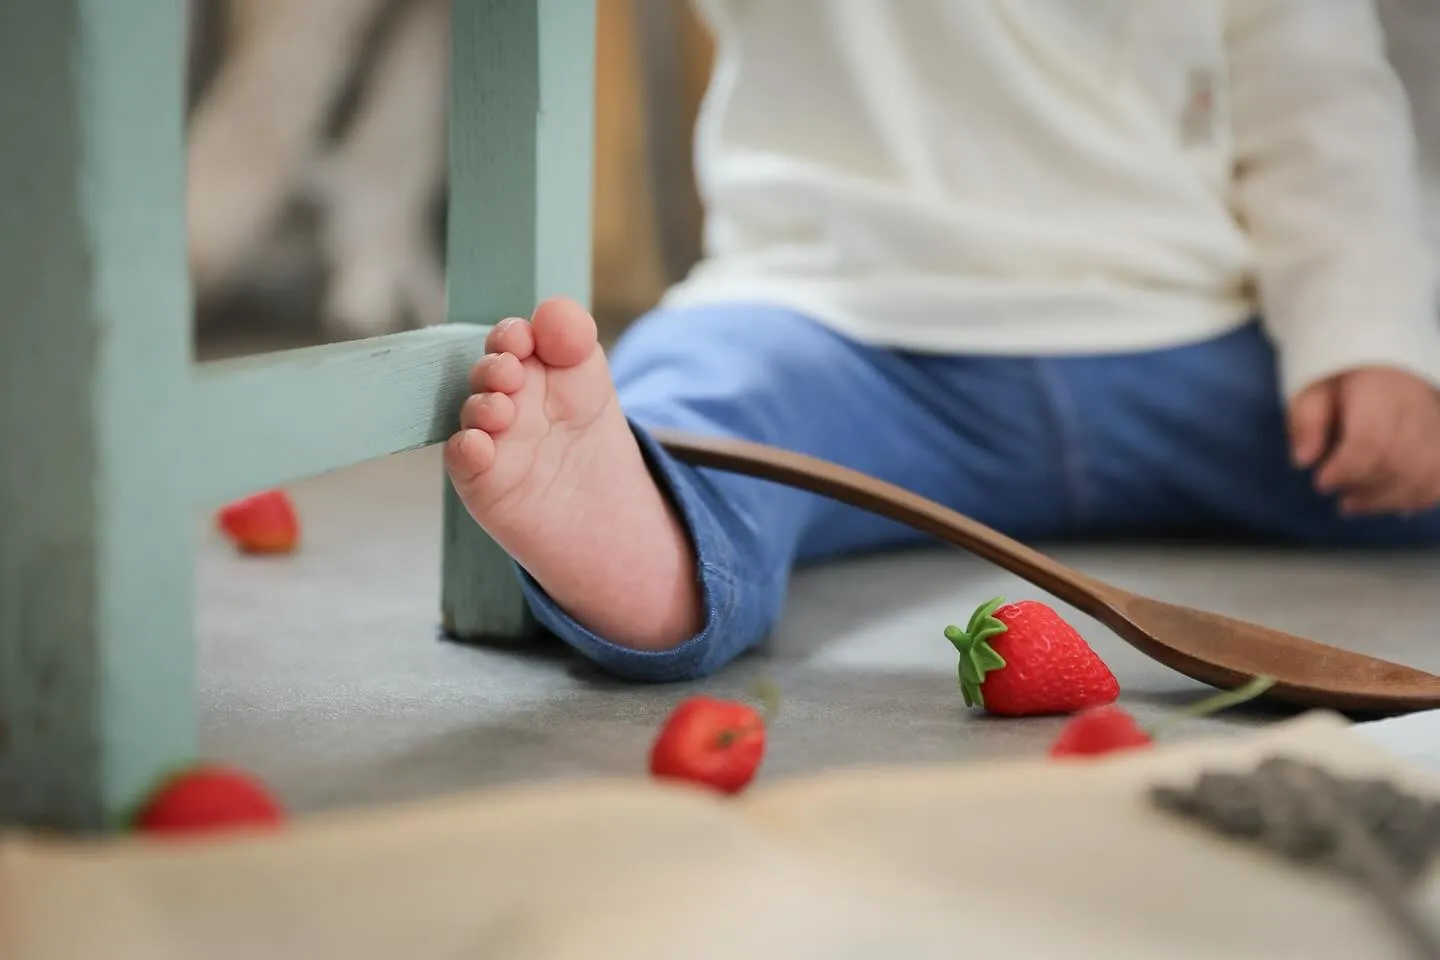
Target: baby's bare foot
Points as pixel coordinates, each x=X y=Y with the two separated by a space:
x=545 y=462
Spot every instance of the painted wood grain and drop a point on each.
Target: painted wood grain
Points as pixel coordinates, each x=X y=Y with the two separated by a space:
x=263 y=421
x=97 y=682
x=521 y=144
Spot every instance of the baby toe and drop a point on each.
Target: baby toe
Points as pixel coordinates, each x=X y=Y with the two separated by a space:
x=469 y=454
x=497 y=373
x=513 y=336
x=491 y=412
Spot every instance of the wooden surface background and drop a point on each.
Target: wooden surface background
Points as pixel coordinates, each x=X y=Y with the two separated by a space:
x=629 y=262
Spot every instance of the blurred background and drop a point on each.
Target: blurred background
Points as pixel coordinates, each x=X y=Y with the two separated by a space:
x=317 y=160
x=317 y=165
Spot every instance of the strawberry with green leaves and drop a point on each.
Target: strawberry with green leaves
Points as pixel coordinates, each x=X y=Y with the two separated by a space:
x=1022 y=659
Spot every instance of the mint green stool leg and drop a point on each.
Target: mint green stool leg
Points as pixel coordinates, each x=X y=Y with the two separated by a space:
x=110 y=440
x=521 y=140
x=97 y=685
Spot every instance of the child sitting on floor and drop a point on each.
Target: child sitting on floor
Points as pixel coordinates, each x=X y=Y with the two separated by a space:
x=1009 y=254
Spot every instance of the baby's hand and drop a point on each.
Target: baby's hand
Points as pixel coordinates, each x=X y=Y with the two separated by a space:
x=1374 y=435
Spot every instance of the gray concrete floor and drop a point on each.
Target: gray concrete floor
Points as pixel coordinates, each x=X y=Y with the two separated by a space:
x=323 y=672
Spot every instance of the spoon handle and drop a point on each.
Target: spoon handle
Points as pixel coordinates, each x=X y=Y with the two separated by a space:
x=1099 y=600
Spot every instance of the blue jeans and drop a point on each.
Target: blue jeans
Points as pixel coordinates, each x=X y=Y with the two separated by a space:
x=1160 y=443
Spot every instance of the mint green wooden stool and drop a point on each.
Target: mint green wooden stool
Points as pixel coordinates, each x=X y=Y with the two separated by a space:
x=113 y=442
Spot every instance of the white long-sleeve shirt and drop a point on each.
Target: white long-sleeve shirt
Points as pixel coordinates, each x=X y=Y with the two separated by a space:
x=1068 y=176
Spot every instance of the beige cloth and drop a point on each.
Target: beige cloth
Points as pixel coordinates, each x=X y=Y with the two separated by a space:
x=1013 y=860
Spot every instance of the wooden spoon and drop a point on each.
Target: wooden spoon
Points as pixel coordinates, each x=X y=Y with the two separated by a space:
x=1221 y=651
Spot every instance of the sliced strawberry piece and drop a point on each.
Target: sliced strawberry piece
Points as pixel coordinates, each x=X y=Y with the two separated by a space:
x=262 y=523
x=1099 y=730
x=207 y=798
x=714 y=743
x=718 y=744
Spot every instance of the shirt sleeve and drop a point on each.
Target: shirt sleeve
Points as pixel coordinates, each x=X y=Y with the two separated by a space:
x=1328 y=189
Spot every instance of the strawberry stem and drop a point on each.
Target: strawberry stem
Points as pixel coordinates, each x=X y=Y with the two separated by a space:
x=977 y=657
x=768 y=693
x=1223 y=700
x=726 y=737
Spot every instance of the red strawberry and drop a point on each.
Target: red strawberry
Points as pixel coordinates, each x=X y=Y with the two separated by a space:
x=263 y=523
x=205 y=799
x=1099 y=730
x=1108 y=728
x=716 y=743
x=1022 y=659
